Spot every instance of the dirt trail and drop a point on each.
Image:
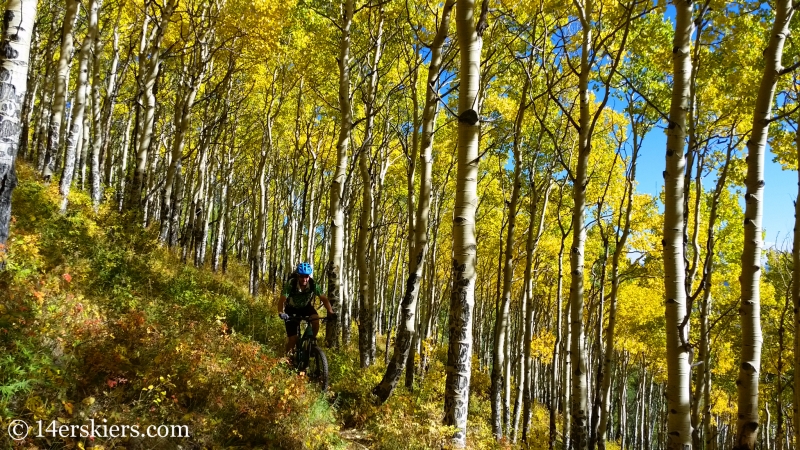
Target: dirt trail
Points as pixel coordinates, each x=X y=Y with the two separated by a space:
x=356 y=439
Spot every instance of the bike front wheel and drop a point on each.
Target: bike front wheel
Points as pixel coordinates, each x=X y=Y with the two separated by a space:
x=318 y=367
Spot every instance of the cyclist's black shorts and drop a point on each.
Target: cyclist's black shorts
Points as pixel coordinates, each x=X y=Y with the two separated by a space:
x=292 y=325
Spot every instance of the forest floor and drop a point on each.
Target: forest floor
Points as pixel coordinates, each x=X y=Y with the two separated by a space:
x=356 y=439
x=97 y=320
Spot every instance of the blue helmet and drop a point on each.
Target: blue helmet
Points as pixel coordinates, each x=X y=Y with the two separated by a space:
x=305 y=268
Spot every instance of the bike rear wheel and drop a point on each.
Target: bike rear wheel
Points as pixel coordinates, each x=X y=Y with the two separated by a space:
x=318 y=367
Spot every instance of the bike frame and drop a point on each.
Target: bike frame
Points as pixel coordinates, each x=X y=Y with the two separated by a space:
x=305 y=341
x=306 y=351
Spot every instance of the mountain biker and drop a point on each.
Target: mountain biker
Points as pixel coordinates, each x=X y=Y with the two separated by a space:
x=300 y=291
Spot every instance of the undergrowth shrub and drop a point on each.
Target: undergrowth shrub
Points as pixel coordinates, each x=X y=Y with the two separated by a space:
x=98 y=322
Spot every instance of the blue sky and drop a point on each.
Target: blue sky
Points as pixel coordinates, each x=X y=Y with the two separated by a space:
x=780 y=189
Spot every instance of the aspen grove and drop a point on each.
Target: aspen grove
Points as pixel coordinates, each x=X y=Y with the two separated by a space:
x=471 y=181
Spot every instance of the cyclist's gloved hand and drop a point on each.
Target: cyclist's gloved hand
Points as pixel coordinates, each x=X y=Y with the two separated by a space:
x=332 y=316
x=283 y=316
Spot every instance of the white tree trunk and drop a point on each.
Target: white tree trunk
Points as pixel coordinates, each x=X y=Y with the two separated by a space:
x=148 y=80
x=335 y=264
x=97 y=139
x=531 y=246
x=182 y=120
x=679 y=426
x=34 y=80
x=84 y=149
x=111 y=90
x=703 y=385
x=501 y=323
x=750 y=311
x=366 y=258
x=462 y=297
x=60 y=89
x=566 y=366
x=419 y=248
x=79 y=107
x=608 y=353
x=580 y=394
x=46 y=101
x=257 y=245
x=122 y=167
x=17 y=32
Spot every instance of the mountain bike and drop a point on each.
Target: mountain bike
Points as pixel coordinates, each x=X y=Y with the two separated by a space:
x=307 y=356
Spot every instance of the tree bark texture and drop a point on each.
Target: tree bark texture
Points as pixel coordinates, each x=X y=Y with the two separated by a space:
x=79 y=106
x=335 y=266
x=366 y=258
x=150 y=71
x=679 y=435
x=501 y=322
x=419 y=249
x=60 y=89
x=579 y=394
x=18 y=22
x=750 y=311
x=608 y=353
x=462 y=295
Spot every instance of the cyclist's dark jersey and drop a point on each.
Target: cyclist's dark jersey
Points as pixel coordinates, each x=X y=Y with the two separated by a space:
x=298 y=299
x=293 y=325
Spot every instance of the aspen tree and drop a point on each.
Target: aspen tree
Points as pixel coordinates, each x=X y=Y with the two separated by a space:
x=578 y=398
x=694 y=159
x=227 y=174
x=46 y=100
x=419 y=249
x=566 y=366
x=750 y=312
x=561 y=348
x=531 y=247
x=678 y=373
x=639 y=128
x=190 y=81
x=94 y=171
x=619 y=250
x=17 y=31
x=596 y=381
x=150 y=59
x=84 y=148
x=366 y=258
x=462 y=295
x=335 y=266
x=585 y=127
x=782 y=331
x=256 y=245
x=112 y=88
x=79 y=107
x=702 y=388
x=123 y=161
x=60 y=89
x=34 y=80
x=501 y=322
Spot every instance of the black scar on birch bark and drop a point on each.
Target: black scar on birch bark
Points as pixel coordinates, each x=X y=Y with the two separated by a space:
x=7 y=18
x=469 y=117
x=457 y=382
x=10 y=104
x=7 y=51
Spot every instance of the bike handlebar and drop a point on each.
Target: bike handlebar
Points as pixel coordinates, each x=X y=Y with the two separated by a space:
x=306 y=318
